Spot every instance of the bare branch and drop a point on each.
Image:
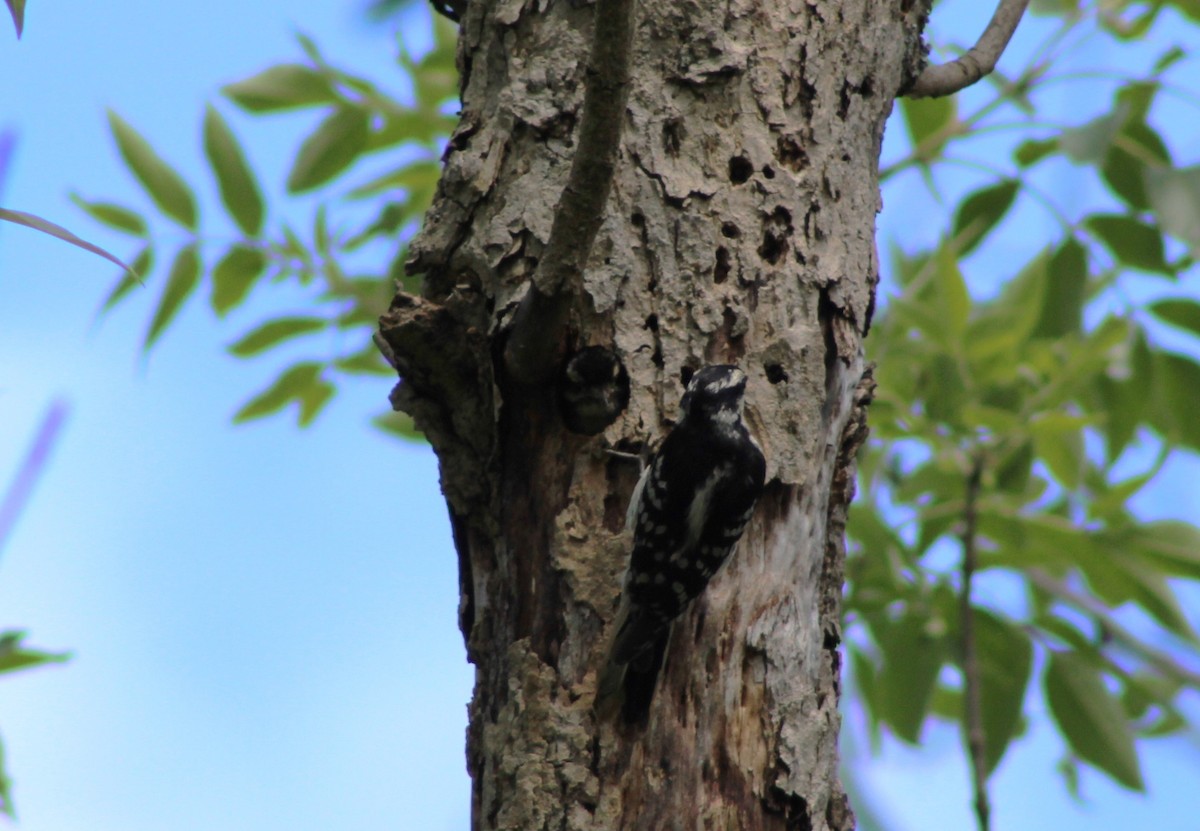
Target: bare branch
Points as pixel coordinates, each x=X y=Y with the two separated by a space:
x=972 y=690
x=948 y=78
x=532 y=350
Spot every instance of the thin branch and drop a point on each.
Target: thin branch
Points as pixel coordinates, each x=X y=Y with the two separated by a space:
x=1161 y=661
x=948 y=78
x=533 y=347
x=31 y=469
x=973 y=699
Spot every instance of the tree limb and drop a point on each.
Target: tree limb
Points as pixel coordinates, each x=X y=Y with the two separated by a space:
x=533 y=346
x=972 y=692
x=948 y=78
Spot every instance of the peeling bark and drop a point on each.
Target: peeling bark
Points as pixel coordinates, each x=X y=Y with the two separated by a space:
x=740 y=228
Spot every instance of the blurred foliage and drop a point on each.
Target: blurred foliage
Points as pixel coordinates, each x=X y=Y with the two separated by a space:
x=16 y=10
x=1055 y=385
x=15 y=656
x=343 y=298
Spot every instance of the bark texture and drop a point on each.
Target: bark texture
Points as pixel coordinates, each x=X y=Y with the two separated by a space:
x=740 y=229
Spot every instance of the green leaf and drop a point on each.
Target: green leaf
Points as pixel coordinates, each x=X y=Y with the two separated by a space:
x=1172 y=56
x=181 y=282
x=1149 y=589
x=1188 y=8
x=273 y=332
x=1091 y=719
x=979 y=213
x=1058 y=441
x=235 y=275
x=1090 y=143
x=239 y=190
x=953 y=299
x=1174 y=196
x=931 y=122
x=913 y=654
x=1177 y=379
x=6 y=799
x=312 y=401
x=301 y=383
x=1173 y=545
x=366 y=361
x=165 y=186
x=1178 y=312
x=142 y=264
x=1127 y=389
x=16 y=9
x=420 y=176
x=997 y=336
x=1066 y=291
x=1005 y=657
x=114 y=216
x=1135 y=152
x=15 y=656
x=333 y=147
x=398 y=424
x=281 y=87
x=57 y=231
x=1032 y=151
x=1131 y=241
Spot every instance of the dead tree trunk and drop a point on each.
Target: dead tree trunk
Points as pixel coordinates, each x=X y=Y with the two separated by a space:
x=739 y=229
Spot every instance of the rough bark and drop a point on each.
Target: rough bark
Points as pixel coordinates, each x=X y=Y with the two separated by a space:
x=740 y=228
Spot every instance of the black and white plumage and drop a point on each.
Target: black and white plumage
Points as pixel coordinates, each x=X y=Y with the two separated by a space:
x=593 y=390
x=687 y=513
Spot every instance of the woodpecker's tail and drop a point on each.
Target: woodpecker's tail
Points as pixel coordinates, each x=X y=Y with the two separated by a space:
x=627 y=680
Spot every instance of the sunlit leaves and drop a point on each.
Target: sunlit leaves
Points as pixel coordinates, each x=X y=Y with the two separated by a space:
x=914 y=650
x=1005 y=656
x=978 y=213
x=168 y=190
x=1090 y=718
x=113 y=215
x=302 y=384
x=1090 y=143
x=1026 y=381
x=129 y=280
x=353 y=117
x=281 y=87
x=1178 y=312
x=181 y=282
x=239 y=189
x=1174 y=195
x=15 y=655
x=1177 y=378
x=1133 y=242
x=234 y=275
x=273 y=332
x=931 y=122
x=1065 y=290
x=333 y=147
x=1135 y=151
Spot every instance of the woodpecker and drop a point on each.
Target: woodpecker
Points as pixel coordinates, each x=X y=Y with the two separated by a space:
x=687 y=513
x=593 y=390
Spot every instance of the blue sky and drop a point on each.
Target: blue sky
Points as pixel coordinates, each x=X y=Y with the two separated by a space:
x=263 y=620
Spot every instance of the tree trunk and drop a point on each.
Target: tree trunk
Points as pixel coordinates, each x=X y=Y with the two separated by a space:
x=739 y=229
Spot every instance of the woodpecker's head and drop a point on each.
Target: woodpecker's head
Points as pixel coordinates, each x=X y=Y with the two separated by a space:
x=715 y=393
